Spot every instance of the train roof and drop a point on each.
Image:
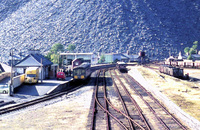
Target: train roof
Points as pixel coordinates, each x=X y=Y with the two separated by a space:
x=121 y=62
x=83 y=65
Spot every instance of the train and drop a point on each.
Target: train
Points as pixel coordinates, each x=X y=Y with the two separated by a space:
x=184 y=63
x=82 y=72
x=173 y=71
x=121 y=66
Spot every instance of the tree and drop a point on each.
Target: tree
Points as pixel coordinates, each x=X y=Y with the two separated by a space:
x=71 y=47
x=189 y=57
x=195 y=42
x=195 y=45
x=55 y=58
x=186 y=50
x=102 y=59
x=116 y=60
x=53 y=55
x=57 y=47
x=192 y=51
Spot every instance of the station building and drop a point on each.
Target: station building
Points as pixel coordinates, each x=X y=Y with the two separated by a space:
x=34 y=59
x=67 y=58
x=113 y=57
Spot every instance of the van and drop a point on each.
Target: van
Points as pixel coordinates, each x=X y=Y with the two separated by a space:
x=60 y=75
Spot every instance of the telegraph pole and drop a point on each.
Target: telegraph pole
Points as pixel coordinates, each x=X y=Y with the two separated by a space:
x=11 y=75
x=41 y=71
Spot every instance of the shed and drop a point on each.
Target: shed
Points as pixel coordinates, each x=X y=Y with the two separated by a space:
x=35 y=60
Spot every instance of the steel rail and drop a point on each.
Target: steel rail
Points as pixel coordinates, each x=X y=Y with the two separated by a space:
x=126 y=111
x=158 y=118
x=99 y=104
x=35 y=101
x=94 y=105
x=105 y=96
x=157 y=102
x=124 y=106
x=135 y=103
x=128 y=117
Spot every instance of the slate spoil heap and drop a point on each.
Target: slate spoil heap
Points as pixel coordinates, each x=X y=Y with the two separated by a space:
x=157 y=27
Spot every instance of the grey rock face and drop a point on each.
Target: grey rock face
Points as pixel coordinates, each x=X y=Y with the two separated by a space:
x=157 y=27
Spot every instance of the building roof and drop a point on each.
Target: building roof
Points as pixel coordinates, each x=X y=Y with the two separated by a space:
x=76 y=53
x=5 y=68
x=33 y=60
x=124 y=56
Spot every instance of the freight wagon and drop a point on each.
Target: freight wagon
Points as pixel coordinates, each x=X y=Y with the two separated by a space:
x=184 y=63
x=172 y=71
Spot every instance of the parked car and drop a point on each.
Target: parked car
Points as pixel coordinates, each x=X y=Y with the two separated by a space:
x=60 y=75
x=4 y=89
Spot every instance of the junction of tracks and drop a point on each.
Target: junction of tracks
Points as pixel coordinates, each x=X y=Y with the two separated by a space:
x=113 y=100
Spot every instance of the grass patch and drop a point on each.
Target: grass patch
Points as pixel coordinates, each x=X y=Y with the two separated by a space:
x=184 y=93
x=182 y=102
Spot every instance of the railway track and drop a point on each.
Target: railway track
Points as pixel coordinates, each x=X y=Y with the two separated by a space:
x=2 y=103
x=160 y=113
x=102 y=113
x=100 y=119
x=136 y=108
x=23 y=105
x=106 y=115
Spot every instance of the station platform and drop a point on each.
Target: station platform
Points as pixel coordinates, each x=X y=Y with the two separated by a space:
x=30 y=91
x=39 y=89
x=5 y=80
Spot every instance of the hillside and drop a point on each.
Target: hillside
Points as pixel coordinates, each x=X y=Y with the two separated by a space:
x=158 y=27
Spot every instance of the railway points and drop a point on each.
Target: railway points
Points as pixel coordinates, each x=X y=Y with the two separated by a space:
x=85 y=123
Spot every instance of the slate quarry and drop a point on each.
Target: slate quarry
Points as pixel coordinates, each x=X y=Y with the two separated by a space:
x=159 y=28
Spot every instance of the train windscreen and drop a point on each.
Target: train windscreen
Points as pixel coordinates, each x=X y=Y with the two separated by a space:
x=31 y=75
x=79 y=72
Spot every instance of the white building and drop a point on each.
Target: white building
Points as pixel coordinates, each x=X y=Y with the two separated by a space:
x=87 y=57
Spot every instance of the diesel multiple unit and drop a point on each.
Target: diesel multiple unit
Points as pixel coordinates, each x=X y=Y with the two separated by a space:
x=82 y=71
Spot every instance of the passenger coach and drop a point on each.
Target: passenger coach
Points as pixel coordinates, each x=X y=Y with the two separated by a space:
x=82 y=71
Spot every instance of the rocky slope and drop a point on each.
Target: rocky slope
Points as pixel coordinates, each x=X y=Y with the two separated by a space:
x=158 y=27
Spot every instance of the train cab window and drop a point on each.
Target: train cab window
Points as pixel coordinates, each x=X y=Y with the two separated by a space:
x=75 y=72
x=83 y=71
